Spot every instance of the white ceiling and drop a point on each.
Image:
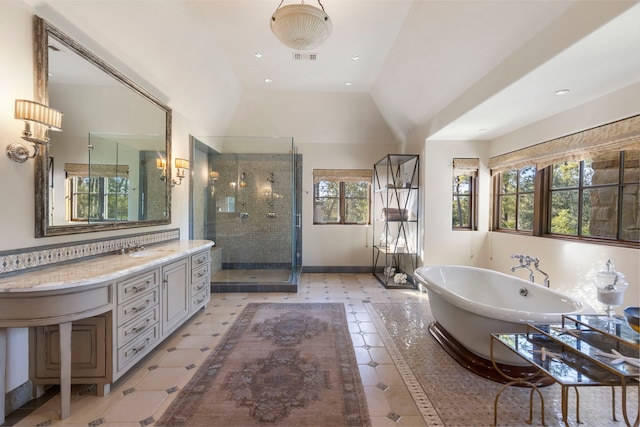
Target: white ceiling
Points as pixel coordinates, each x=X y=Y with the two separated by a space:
x=452 y=67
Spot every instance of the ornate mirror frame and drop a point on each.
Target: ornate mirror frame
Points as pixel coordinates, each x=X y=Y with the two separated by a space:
x=41 y=32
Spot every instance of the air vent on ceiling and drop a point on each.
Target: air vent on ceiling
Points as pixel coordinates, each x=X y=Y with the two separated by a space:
x=303 y=56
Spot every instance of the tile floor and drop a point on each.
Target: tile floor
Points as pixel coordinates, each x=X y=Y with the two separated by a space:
x=142 y=395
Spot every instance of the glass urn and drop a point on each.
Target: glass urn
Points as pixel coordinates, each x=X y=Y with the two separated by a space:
x=610 y=285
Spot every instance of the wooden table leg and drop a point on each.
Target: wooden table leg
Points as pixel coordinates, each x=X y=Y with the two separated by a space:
x=65 y=369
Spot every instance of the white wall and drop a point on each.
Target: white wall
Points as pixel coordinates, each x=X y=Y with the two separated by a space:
x=336 y=245
x=442 y=245
x=16 y=180
x=311 y=117
x=570 y=265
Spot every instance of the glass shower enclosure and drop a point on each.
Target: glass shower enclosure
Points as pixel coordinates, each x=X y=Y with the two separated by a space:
x=244 y=197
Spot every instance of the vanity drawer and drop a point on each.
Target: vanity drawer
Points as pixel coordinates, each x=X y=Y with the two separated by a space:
x=136 y=307
x=199 y=300
x=137 y=348
x=199 y=259
x=138 y=326
x=133 y=287
x=199 y=273
x=200 y=285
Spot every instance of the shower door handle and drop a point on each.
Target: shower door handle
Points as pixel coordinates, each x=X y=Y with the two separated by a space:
x=298 y=220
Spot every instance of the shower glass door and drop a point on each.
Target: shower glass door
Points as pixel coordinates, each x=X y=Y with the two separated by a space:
x=244 y=198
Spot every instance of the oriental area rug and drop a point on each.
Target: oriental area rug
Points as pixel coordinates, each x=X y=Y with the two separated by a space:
x=280 y=364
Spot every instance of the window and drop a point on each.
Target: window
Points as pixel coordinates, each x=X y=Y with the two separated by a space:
x=515 y=195
x=97 y=192
x=586 y=186
x=596 y=198
x=99 y=199
x=464 y=211
x=341 y=196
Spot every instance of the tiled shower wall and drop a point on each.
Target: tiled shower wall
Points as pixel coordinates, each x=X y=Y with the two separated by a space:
x=263 y=238
x=21 y=260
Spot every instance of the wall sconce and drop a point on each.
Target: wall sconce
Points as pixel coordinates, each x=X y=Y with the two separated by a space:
x=30 y=111
x=243 y=183
x=181 y=166
x=213 y=177
x=162 y=165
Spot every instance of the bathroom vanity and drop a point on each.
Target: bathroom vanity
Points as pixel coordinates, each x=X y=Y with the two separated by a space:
x=92 y=320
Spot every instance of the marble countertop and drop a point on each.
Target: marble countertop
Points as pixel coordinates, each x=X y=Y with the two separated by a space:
x=100 y=269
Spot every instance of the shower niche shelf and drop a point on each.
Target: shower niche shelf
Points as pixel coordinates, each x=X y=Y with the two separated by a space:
x=396 y=223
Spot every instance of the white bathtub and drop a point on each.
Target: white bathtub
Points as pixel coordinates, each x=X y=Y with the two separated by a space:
x=471 y=303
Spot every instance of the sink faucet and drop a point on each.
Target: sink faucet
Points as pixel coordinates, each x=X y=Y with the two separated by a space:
x=135 y=247
x=132 y=247
x=536 y=263
x=524 y=262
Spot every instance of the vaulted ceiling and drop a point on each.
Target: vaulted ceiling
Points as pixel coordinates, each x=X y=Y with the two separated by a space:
x=469 y=70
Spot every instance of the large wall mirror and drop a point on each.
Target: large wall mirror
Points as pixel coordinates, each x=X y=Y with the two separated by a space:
x=103 y=171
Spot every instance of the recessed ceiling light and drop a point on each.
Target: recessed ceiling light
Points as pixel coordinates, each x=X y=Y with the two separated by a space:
x=268 y=80
x=355 y=57
x=347 y=83
x=258 y=55
x=562 y=91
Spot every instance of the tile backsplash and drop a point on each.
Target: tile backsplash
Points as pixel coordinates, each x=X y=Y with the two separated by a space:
x=20 y=260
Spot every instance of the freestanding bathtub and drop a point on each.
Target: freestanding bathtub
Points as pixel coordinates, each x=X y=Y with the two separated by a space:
x=469 y=303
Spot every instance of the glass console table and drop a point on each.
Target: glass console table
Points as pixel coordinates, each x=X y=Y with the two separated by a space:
x=583 y=350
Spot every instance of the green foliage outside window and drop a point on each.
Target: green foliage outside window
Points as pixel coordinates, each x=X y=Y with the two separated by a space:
x=515 y=199
x=461 y=209
x=585 y=196
x=597 y=198
x=338 y=202
x=356 y=196
x=327 y=202
x=99 y=199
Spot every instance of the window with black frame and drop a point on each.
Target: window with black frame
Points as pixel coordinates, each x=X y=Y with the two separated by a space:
x=341 y=196
x=515 y=196
x=582 y=186
x=596 y=198
x=464 y=194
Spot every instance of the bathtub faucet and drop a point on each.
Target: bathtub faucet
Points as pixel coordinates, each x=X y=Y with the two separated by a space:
x=536 y=263
x=524 y=262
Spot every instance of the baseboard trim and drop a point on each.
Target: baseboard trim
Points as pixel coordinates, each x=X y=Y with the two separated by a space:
x=336 y=269
x=18 y=397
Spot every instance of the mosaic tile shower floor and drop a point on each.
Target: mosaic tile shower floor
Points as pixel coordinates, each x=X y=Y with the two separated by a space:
x=251 y=276
x=409 y=380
